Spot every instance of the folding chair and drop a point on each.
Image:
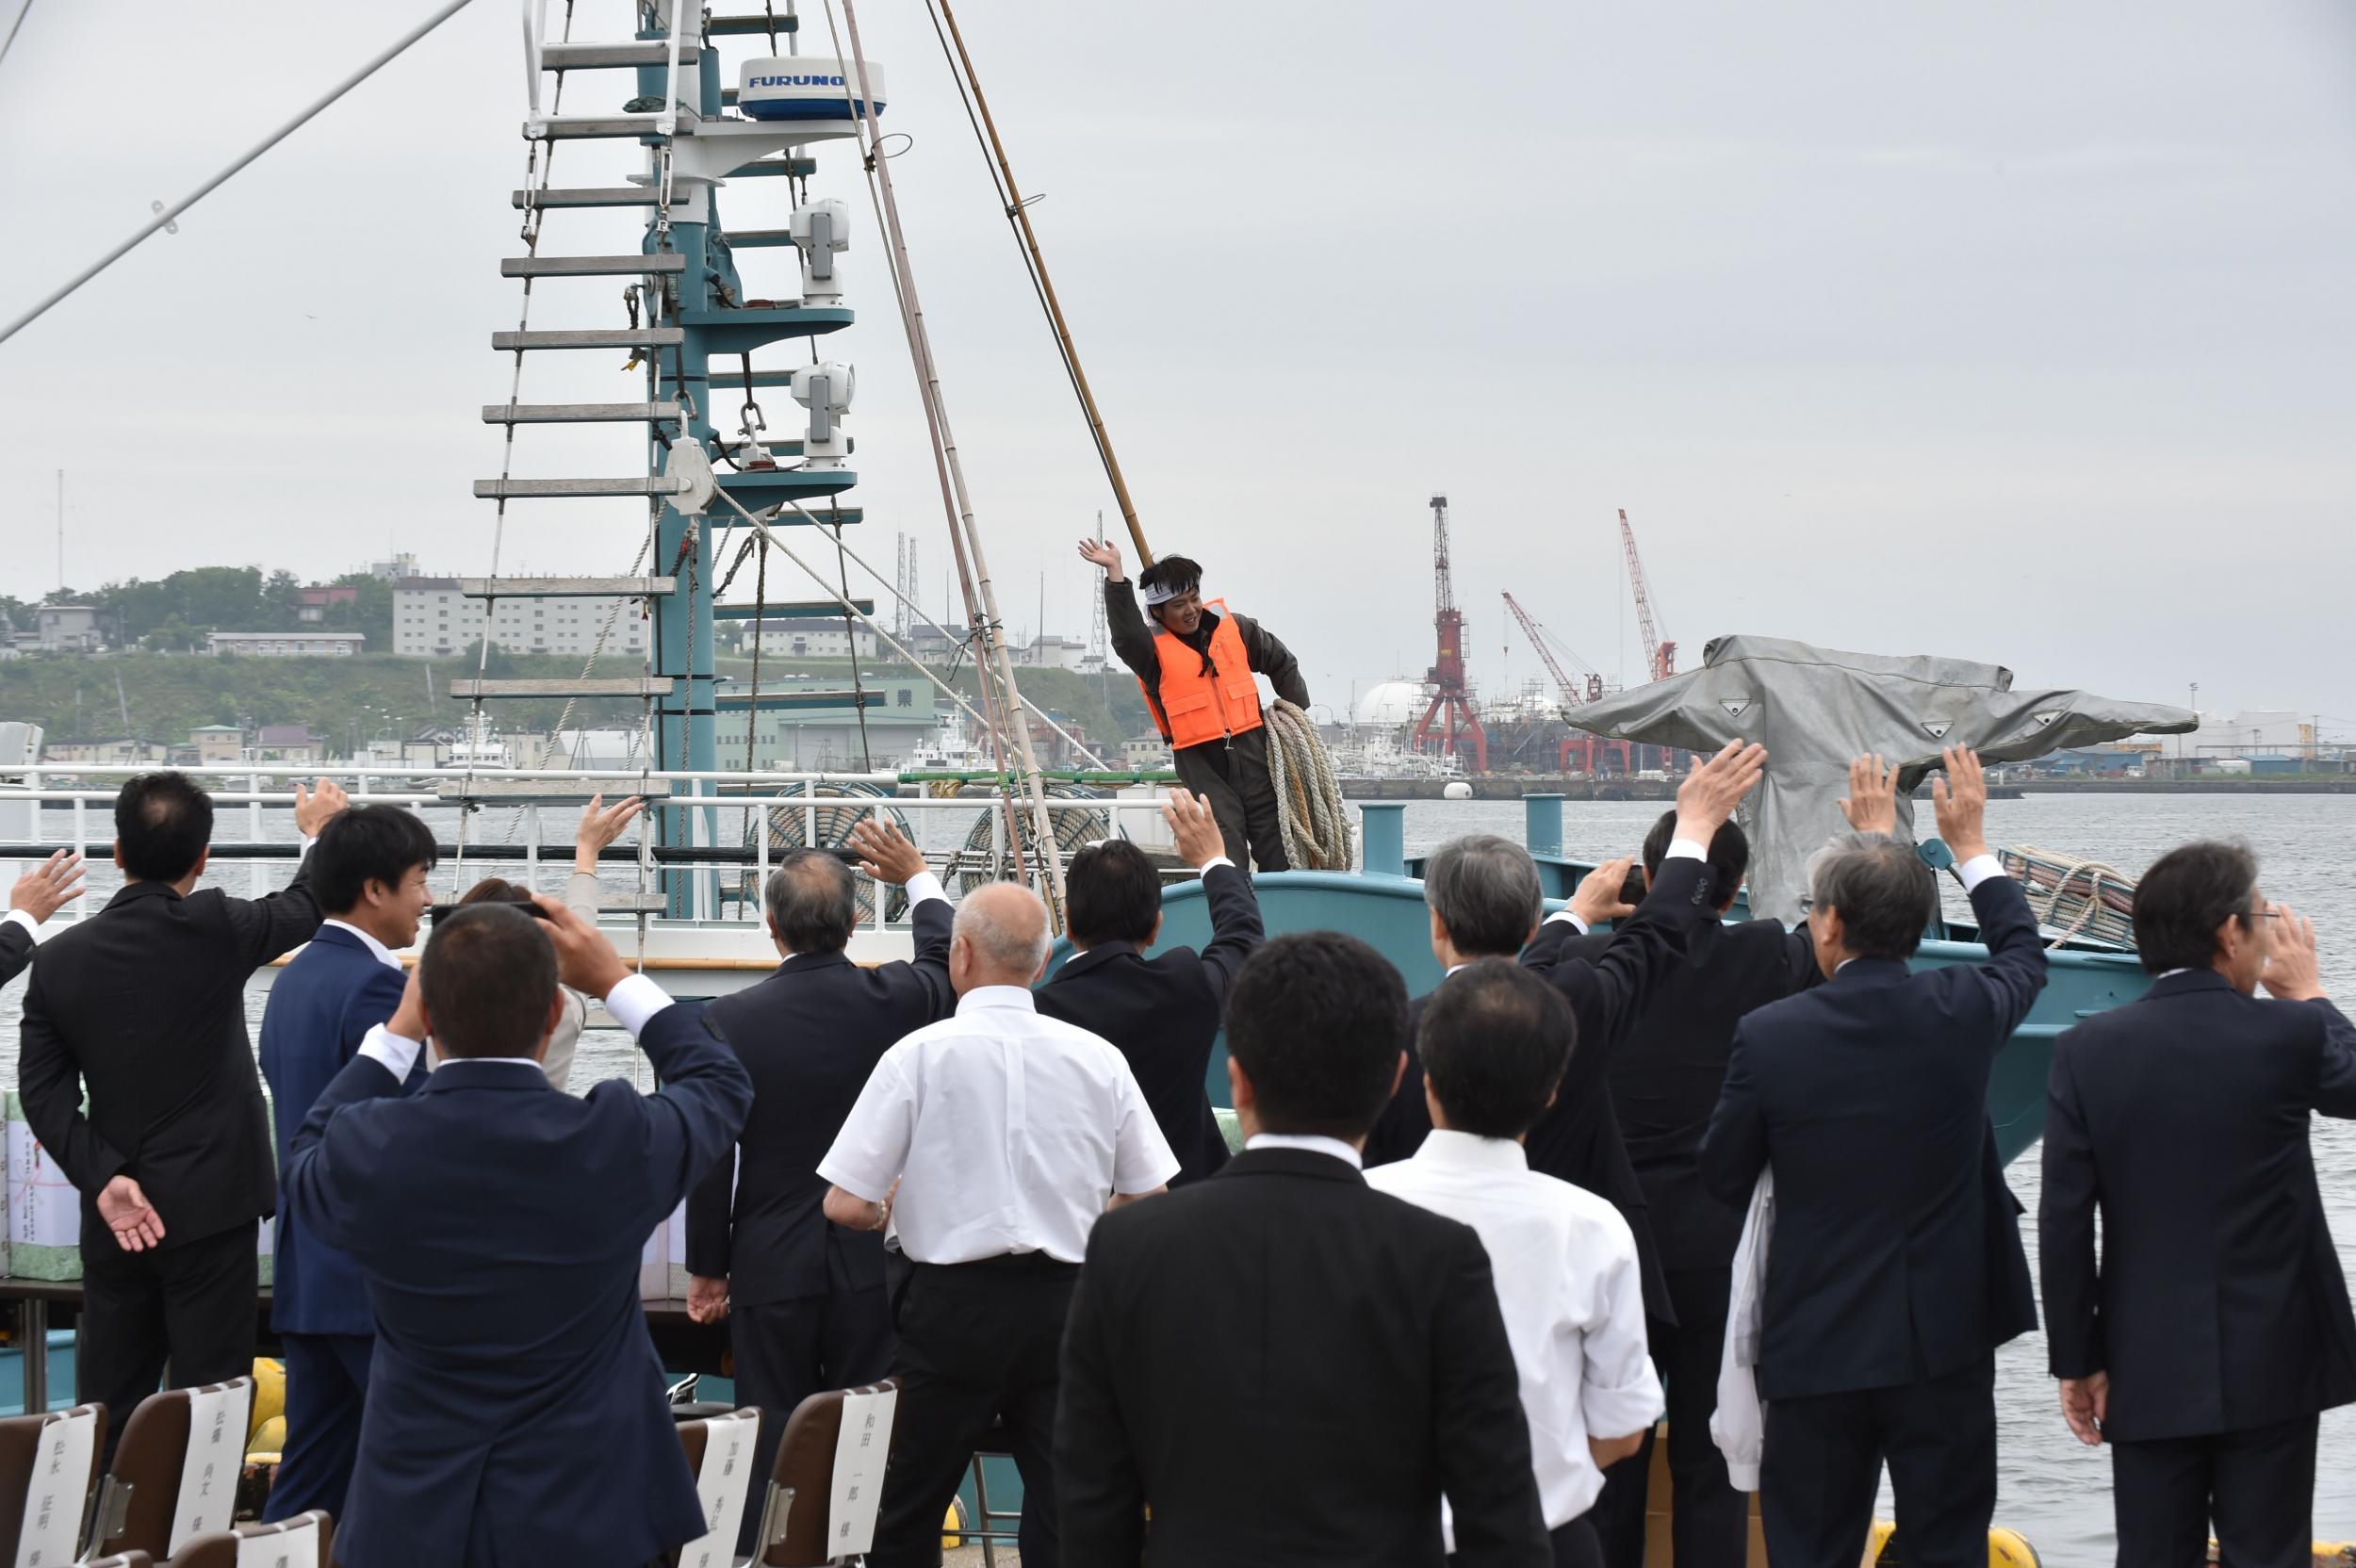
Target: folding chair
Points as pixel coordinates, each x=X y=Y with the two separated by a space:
x=48 y=1466
x=720 y=1451
x=301 y=1542
x=992 y=1526
x=171 y=1481
x=121 y=1560
x=793 y=1516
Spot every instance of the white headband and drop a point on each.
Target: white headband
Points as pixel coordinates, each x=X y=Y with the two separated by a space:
x=1162 y=592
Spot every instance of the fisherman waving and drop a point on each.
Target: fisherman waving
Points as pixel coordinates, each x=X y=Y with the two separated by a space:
x=1196 y=663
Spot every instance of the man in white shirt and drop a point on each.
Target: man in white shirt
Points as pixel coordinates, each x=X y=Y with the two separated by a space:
x=1495 y=1041
x=992 y=1140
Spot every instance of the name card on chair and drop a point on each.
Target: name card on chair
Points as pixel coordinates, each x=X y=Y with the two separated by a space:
x=294 y=1543
x=859 y=1468
x=722 y=1486
x=52 y=1532
x=215 y=1458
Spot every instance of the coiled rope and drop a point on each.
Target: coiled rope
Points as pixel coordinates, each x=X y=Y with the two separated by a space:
x=1313 y=818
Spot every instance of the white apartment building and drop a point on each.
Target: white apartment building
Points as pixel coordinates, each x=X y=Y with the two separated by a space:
x=806 y=639
x=431 y=617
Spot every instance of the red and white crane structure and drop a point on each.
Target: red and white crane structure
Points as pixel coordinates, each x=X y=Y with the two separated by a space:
x=1574 y=696
x=1660 y=658
x=1450 y=716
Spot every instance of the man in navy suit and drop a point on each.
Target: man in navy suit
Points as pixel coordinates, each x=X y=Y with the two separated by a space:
x=1895 y=1269
x=515 y=1410
x=2216 y=1326
x=369 y=870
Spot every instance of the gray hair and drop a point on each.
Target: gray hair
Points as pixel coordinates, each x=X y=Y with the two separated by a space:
x=1004 y=925
x=1884 y=891
x=812 y=901
x=1485 y=891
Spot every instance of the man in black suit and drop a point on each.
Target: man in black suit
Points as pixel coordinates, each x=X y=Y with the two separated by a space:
x=1664 y=1083
x=1896 y=1270
x=1162 y=1013
x=2216 y=1325
x=38 y=895
x=1288 y=1366
x=1485 y=904
x=804 y=1299
x=142 y=1007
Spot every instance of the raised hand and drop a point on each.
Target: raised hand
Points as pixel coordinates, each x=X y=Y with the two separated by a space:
x=314 y=807
x=409 y=1020
x=56 y=882
x=1104 y=553
x=1192 y=824
x=1872 y=803
x=601 y=825
x=707 y=1298
x=1597 y=898
x=884 y=854
x=1711 y=792
x=1959 y=796
x=125 y=1211
x=2291 y=973
x=584 y=959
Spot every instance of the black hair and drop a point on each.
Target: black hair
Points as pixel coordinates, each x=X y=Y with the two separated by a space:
x=163 y=823
x=812 y=901
x=2185 y=896
x=1172 y=571
x=1112 y=893
x=488 y=978
x=1317 y=1020
x=1485 y=891
x=1884 y=891
x=362 y=844
x=1494 y=1040
x=1729 y=854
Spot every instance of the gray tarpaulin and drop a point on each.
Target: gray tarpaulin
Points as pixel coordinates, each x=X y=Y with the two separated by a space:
x=1814 y=709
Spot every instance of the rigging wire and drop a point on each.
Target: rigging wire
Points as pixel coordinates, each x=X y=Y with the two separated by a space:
x=166 y=216
x=21 y=13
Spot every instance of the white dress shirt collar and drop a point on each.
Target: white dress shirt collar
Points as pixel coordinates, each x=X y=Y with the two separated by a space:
x=1443 y=1146
x=1315 y=1143
x=1015 y=997
x=376 y=949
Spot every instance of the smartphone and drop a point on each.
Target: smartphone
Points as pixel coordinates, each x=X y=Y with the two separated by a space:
x=1632 y=887
x=443 y=911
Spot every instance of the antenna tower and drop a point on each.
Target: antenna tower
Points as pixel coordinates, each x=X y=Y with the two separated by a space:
x=1099 y=635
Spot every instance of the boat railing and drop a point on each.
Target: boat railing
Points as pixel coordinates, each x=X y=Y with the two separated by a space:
x=712 y=834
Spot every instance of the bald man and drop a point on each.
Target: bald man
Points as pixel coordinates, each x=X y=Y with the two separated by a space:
x=995 y=1243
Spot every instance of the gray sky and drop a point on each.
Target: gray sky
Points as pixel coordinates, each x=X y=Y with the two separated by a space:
x=2000 y=330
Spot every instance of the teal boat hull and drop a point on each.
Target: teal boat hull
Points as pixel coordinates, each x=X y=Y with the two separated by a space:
x=1388 y=913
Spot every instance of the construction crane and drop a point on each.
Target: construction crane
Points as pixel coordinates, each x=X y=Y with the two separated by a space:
x=1660 y=659
x=1586 y=746
x=1450 y=714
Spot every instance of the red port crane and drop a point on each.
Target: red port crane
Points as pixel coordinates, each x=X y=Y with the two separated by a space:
x=1451 y=715
x=1573 y=695
x=1660 y=659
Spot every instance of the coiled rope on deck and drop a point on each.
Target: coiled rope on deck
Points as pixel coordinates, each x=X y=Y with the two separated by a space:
x=1312 y=816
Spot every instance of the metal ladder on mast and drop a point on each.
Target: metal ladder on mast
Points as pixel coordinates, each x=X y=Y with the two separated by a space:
x=686 y=303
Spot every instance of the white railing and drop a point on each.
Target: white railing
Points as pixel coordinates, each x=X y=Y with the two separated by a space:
x=751 y=797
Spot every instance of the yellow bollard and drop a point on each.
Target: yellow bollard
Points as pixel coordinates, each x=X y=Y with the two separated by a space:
x=953 y=1526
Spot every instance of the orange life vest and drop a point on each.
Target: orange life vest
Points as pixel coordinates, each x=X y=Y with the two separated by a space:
x=1196 y=708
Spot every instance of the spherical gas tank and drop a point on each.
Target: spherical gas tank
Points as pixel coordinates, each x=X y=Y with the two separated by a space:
x=808 y=89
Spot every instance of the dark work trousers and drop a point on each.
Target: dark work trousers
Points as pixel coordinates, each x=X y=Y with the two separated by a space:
x=1823 y=1464
x=194 y=1306
x=1711 y=1519
x=787 y=1351
x=1233 y=776
x=327 y=1380
x=1574 y=1543
x=979 y=1342
x=2257 y=1486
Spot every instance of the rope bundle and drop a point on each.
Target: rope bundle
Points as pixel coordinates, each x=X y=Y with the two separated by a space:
x=1309 y=804
x=2080 y=896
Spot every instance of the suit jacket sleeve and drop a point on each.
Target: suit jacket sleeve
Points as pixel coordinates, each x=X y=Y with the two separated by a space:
x=377 y=999
x=1236 y=928
x=921 y=985
x=16 y=950
x=1482 y=1435
x=2015 y=970
x=1099 y=1489
x=50 y=1080
x=2335 y=1066
x=1734 y=1150
x=710 y=1206
x=270 y=927
x=1133 y=639
x=321 y=1196
x=692 y=1119
x=1273 y=660
x=2068 y=1193
x=1643 y=949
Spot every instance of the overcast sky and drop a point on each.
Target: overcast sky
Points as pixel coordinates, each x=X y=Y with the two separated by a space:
x=2000 y=330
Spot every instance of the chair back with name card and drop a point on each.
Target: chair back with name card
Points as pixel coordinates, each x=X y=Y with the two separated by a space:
x=720 y=1451
x=48 y=1470
x=301 y=1542
x=828 y=1474
x=175 y=1472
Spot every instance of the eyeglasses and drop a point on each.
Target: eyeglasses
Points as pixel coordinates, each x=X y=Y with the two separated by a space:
x=2261 y=914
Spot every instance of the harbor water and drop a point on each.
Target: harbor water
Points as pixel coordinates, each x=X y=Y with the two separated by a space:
x=2051 y=1490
